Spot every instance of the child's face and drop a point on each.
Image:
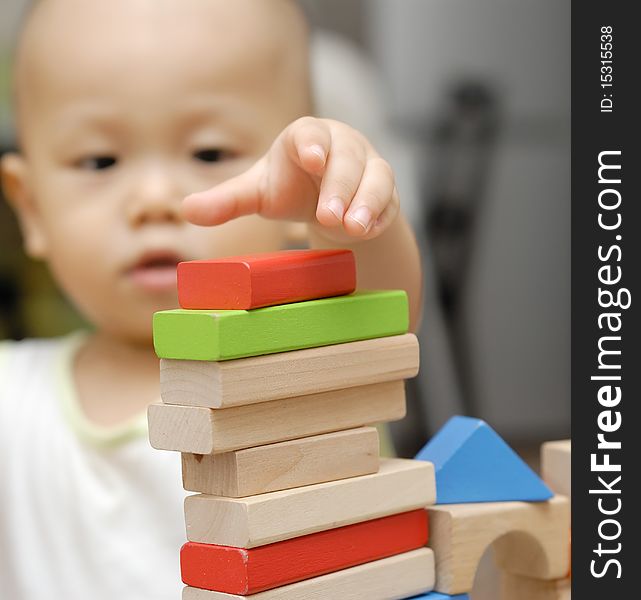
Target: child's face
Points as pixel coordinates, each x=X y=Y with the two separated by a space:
x=127 y=106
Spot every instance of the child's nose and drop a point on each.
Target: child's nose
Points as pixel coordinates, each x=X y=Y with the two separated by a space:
x=155 y=198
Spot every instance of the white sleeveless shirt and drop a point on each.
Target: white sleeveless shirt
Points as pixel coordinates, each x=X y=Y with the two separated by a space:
x=85 y=512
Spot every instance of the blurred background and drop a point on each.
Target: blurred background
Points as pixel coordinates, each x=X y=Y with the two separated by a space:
x=469 y=101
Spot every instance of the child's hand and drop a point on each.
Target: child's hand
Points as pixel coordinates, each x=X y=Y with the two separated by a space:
x=319 y=171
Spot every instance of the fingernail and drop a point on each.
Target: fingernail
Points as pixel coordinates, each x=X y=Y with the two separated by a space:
x=318 y=151
x=335 y=206
x=363 y=216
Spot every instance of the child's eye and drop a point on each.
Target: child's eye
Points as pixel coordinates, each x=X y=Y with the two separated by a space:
x=211 y=155
x=97 y=163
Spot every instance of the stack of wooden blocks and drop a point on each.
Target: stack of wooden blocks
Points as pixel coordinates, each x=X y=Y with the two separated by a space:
x=271 y=376
x=272 y=373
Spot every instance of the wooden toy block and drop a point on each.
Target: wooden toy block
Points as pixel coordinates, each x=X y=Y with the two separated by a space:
x=210 y=431
x=399 y=486
x=556 y=466
x=241 y=571
x=226 y=334
x=390 y=578
x=256 y=280
x=316 y=459
x=529 y=538
x=517 y=587
x=287 y=374
x=473 y=464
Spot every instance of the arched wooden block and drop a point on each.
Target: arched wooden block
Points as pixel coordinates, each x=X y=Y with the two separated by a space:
x=529 y=539
x=517 y=587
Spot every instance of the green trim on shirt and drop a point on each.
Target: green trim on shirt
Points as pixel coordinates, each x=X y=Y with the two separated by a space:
x=91 y=433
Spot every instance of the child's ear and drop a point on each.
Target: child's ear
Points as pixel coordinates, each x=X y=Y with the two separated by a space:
x=17 y=188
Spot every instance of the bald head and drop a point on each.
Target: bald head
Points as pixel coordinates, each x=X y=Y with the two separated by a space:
x=126 y=106
x=256 y=45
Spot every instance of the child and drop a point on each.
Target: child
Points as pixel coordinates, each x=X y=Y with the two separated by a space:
x=124 y=108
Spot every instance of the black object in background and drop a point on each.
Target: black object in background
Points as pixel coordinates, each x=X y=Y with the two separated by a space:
x=463 y=141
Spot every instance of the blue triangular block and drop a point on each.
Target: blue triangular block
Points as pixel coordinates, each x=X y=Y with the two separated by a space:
x=474 y=464
x=439 y=596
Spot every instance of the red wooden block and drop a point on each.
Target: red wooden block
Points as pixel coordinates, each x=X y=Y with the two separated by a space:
x=244 y=282
x=242 y=571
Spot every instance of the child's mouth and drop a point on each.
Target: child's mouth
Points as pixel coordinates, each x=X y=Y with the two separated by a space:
x=155 y=272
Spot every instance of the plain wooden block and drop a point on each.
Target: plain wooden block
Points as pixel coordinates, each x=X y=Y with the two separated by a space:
x=556 y=466
x=252 y=281
x=517 y=587
x=537 y=545
x=399 y=486
x=227 y=334
x=242 y=571
x=390 y=578
x=325 y=457
x=286 y=374
x=210 y=431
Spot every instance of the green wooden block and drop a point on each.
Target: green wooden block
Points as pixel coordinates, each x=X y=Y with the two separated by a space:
x=226 y=334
